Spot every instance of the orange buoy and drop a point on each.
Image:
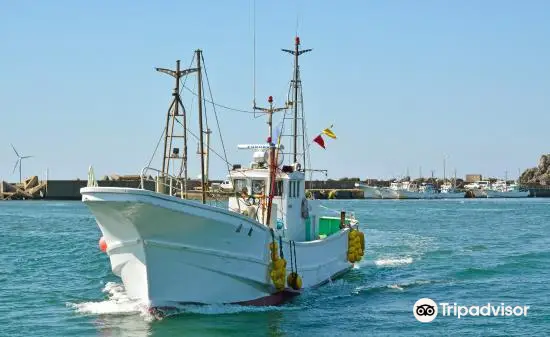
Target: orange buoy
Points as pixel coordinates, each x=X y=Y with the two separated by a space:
x=102 y=244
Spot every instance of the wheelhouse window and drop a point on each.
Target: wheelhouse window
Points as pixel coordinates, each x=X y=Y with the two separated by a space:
x=239 y=184
x=258 y=186
x=279 y=188
x=293 y=188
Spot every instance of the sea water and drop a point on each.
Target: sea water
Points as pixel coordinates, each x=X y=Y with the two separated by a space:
x=54 y=281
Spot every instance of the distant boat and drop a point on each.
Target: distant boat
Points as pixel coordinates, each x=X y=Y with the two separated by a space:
x=501 y=189
x=448 y=191
x=370 y=192
x=391 y=192
x=408 y=190
x=479 y=188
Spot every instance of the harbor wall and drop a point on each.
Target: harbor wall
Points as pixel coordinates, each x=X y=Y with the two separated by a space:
x=331 y=189
x=70 y=189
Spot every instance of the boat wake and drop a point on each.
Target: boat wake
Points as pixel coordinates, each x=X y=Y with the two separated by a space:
x=393 y=262
x=118 y=303
x=399 y=287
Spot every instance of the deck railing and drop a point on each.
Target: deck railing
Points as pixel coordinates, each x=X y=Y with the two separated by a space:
x=162 y=181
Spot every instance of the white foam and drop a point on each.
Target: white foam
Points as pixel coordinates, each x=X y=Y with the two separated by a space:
x=223 y=309
x=118 y=303
x=393 y=262
x=395 y=286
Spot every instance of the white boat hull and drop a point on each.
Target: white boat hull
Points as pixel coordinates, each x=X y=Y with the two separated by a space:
x=509 y=194
x=387 y=193
x=451 y=195
x=169 y=251
x=404 y=194
x=369 y=192
x=479 y=193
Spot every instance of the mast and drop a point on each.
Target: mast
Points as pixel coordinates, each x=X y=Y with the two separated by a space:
x=272 y=159
x=444 y=176
x=201 y=141
x=296 y=83
x=207 y=155
x=172 y=118
x=455 y=180
x=506 y=178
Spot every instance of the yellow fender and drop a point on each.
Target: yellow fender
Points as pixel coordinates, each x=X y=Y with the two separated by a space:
x=356 y=245
x=277 y=267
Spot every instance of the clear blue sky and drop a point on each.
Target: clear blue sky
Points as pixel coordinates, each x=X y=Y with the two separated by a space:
x=405 y=83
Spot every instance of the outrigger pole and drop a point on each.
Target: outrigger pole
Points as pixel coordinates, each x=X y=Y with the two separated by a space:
x=173 y=113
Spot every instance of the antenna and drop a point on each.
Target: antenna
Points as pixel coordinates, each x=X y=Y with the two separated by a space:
x=19 y=162
x=254 y=53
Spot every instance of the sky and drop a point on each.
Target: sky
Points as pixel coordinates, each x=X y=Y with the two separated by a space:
x=405 y=84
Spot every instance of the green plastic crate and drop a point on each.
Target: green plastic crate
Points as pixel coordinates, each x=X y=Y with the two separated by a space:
x=329 y=225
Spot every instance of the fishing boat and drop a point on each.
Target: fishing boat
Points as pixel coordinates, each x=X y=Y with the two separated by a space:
x=478 y=188
x=391 y=192
x=448 y=191
x=370 y=192
x=267 y=244
x=501 y=189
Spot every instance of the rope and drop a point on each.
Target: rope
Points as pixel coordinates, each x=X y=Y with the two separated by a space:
x=292 y=257
x=330 y=209
x=295 y=263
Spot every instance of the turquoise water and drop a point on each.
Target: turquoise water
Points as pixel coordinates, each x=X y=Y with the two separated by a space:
x=54 y=281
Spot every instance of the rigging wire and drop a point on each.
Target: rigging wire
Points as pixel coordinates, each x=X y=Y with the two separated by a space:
x=210 y=148
x=215 y=113
x=156 y=149
x=183 y=166
x=221 y=105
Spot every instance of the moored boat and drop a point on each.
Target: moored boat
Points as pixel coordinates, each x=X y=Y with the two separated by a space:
x=501 y=189
x=448 y=191
x=370 y=192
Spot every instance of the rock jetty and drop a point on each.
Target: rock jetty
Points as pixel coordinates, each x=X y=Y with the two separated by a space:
x=539 y=175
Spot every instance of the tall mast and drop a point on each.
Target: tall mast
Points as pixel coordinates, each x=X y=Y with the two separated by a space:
x=272 y=159
x=201 y=142
x=444 y=176
x=171 y=120
x=296 y=83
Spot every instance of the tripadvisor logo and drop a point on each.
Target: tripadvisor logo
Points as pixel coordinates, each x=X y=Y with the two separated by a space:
x=426 y=310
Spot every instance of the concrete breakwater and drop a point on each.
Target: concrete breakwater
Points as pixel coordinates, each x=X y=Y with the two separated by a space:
x=70 y=189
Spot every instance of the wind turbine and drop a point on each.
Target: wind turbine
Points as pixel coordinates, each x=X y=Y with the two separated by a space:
x=18 y=162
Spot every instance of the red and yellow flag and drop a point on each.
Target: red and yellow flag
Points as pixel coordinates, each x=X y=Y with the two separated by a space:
x=329 y=132
x=319 y=140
